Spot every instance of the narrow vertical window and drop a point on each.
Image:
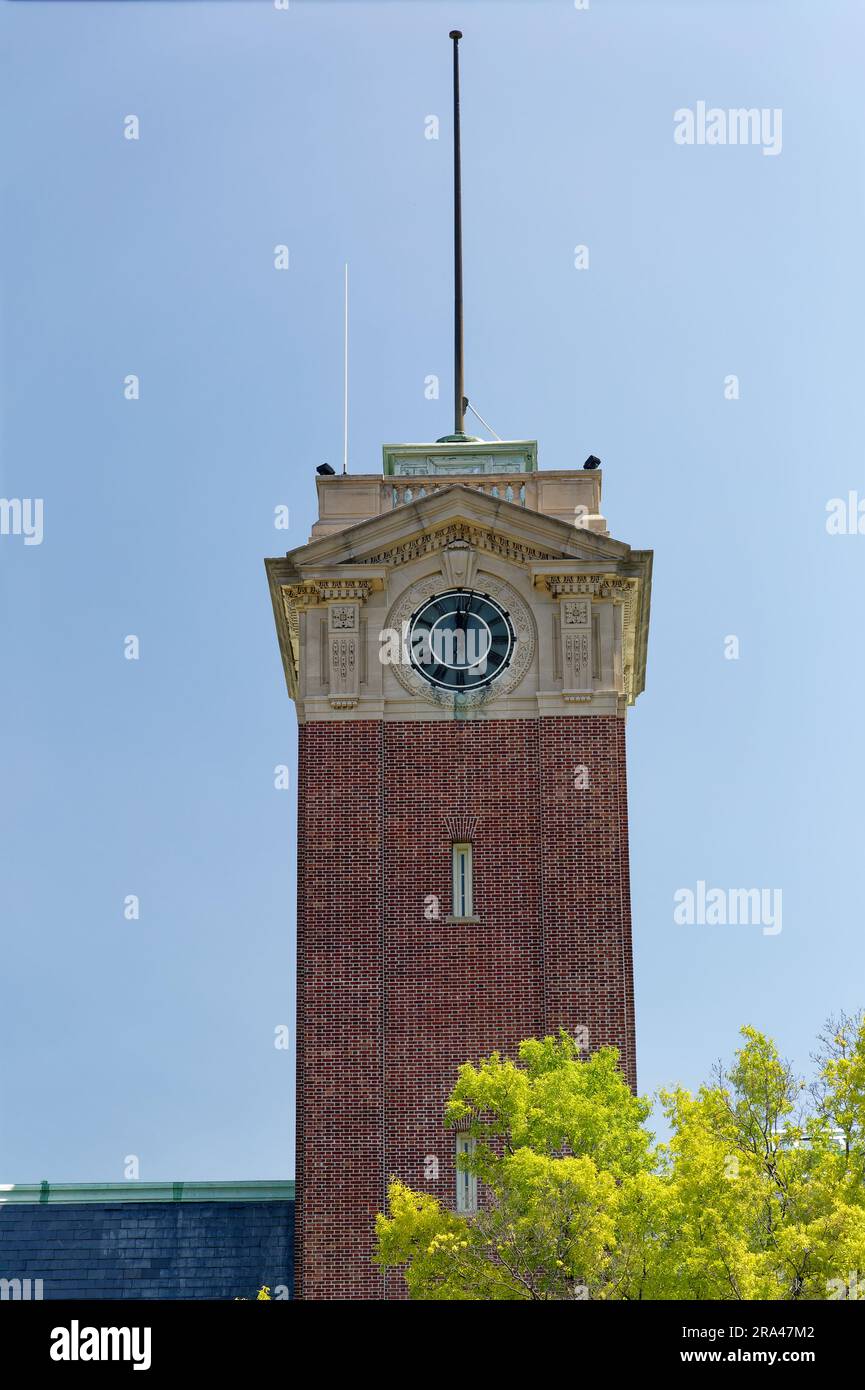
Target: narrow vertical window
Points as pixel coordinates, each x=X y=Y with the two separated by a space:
x=462 y=895
x=467 y=1183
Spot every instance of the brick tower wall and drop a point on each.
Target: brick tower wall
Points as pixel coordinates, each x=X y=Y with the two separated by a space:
x=392 y=1000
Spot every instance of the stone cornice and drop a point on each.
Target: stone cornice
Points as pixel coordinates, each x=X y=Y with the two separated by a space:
x=354 y=582
x=479 y=537
x=604 y=584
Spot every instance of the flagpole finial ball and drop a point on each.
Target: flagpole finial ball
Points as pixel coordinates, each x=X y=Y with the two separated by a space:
x=454 y=34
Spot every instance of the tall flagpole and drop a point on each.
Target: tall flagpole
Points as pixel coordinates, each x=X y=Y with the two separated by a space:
x=459 y=384
x=345 y=380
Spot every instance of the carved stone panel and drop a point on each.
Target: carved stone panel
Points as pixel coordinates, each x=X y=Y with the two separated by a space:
x=343 y=654
x=343 y=616
x=576 y=640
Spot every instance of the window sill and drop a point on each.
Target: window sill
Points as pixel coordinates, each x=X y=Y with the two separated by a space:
x=462 y=919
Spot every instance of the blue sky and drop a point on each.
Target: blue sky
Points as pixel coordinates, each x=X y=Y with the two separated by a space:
x=154 y=777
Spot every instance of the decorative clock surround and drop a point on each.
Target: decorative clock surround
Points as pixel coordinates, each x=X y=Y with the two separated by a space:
x=483 y=583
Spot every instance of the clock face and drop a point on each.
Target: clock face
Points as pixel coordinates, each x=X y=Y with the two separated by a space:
x=460 y=640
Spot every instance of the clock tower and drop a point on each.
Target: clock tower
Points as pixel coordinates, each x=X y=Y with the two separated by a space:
x=461 y=637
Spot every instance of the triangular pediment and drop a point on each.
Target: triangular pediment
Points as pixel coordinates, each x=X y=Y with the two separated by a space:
x=457 y=512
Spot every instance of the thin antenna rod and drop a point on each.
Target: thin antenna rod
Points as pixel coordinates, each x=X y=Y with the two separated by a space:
x=345 y=381
x=459 y=385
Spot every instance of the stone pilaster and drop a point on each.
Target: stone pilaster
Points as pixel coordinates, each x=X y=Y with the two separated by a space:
x=343 y=655
x=576 y=638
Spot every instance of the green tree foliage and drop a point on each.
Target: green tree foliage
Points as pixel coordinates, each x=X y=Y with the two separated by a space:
x=757 y=1195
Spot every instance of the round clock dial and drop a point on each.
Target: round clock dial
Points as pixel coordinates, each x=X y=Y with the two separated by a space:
x=460 y=640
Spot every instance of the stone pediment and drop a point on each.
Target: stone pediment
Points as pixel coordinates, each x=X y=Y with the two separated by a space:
x=457 y=512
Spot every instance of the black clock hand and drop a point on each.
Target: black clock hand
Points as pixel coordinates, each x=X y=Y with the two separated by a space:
x=463 y=612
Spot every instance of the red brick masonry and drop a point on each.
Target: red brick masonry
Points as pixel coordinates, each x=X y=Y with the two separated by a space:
x=390 y=1003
